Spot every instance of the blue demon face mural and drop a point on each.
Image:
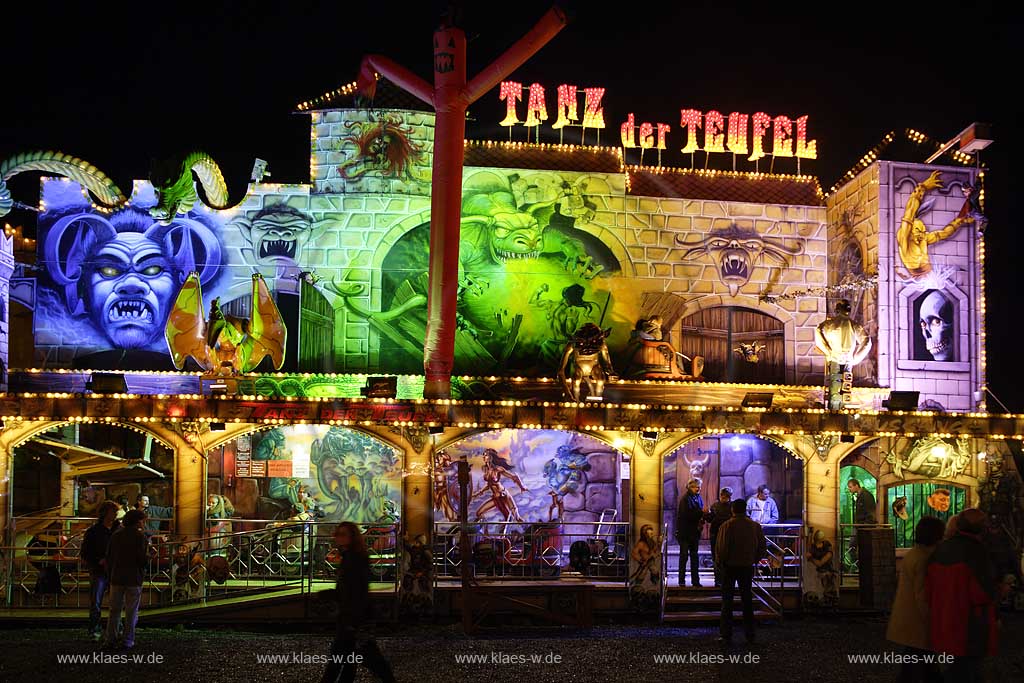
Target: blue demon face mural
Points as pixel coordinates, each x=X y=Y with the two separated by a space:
x=130 y=287
x=121 y=273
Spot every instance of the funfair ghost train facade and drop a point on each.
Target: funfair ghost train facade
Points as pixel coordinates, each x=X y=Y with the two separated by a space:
x=254 y=368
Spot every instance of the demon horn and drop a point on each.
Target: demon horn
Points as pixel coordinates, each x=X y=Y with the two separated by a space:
x=184 y=258
x=78 y=170
x=66 y=271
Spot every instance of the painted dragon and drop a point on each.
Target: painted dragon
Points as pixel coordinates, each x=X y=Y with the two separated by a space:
x=175 y=195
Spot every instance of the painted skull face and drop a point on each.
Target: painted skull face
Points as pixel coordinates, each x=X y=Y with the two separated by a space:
x=736 y=249
x=131 y=288
x=937 y=326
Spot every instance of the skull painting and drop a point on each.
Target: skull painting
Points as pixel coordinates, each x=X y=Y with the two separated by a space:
x=737 y=249
x=936 y=324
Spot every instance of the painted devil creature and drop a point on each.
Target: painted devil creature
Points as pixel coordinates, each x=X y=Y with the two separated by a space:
x=121 y=272
x=737 y=249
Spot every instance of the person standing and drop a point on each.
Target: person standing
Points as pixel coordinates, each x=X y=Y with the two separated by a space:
x=94 y=555
x=351 y=645
x=741 y=543
x=962 y=599
x=127 y=555
x=689 y=524
x=721 y=512
x=908 y=621
x=762 y=508
x=155 y=514
x=863 y=511
x=864 y=505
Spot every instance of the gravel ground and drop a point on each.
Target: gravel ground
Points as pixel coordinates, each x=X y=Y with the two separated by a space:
x=811 y=649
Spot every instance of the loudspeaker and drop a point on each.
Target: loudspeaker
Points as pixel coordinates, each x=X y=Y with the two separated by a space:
x=107 y=383
x=902 y=400
x=380 y=387
x=758 y=400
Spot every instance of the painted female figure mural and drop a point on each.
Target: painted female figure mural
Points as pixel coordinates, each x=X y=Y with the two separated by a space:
x=496 y=467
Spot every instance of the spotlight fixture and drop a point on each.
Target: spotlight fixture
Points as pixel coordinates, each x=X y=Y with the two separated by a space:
x=219 y=388
x=435 y=429
x=218 y=427
x=649 y=434
x=846 y=438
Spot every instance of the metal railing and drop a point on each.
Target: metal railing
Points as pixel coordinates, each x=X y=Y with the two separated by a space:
x=782 y=566
x=846 y=561
x=597 y=551
x=283 y=555
x=664 y=573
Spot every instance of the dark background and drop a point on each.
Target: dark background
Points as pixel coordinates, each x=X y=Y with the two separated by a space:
x=123 y=84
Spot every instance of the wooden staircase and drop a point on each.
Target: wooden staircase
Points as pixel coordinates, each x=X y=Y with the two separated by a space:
x=704 y=605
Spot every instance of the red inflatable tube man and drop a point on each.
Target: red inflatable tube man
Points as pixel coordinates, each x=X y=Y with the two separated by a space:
x=450 y=97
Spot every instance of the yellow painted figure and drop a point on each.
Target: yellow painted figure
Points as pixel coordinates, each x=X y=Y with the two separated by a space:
x=225 y=344
x=913 y=237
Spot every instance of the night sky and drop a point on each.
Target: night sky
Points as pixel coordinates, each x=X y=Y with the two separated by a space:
x=122 y=88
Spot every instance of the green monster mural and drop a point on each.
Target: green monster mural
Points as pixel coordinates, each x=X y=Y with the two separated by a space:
x=353 y=477
x=528 y=277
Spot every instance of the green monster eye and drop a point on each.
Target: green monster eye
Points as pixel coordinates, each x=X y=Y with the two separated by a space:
x=500 y=232
x=109 y=271
x=152 y=270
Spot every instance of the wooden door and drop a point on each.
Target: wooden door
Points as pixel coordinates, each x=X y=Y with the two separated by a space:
x=715 y=333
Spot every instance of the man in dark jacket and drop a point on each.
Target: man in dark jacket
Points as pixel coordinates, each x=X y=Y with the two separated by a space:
x=741 y=543
x=689 y=524
x=352 y=592
x=126 y=557
x=94 y=556
x=963 y=597
x=721 y=512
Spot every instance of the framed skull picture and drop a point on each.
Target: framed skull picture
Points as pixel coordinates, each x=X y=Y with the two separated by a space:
x=933 y=327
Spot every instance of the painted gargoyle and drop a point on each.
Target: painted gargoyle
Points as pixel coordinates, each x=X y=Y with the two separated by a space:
x=223 y=344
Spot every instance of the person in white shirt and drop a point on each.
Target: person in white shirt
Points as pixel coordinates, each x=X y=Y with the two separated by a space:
x=762 y=508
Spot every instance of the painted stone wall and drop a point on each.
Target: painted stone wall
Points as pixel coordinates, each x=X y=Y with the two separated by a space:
x=940 y=359
x=570 y=247
x=853 y=236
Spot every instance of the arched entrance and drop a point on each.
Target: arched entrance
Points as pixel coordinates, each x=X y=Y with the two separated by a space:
x=541 y=502
x=333 y=474
x=716 y=333
x=743 y=463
